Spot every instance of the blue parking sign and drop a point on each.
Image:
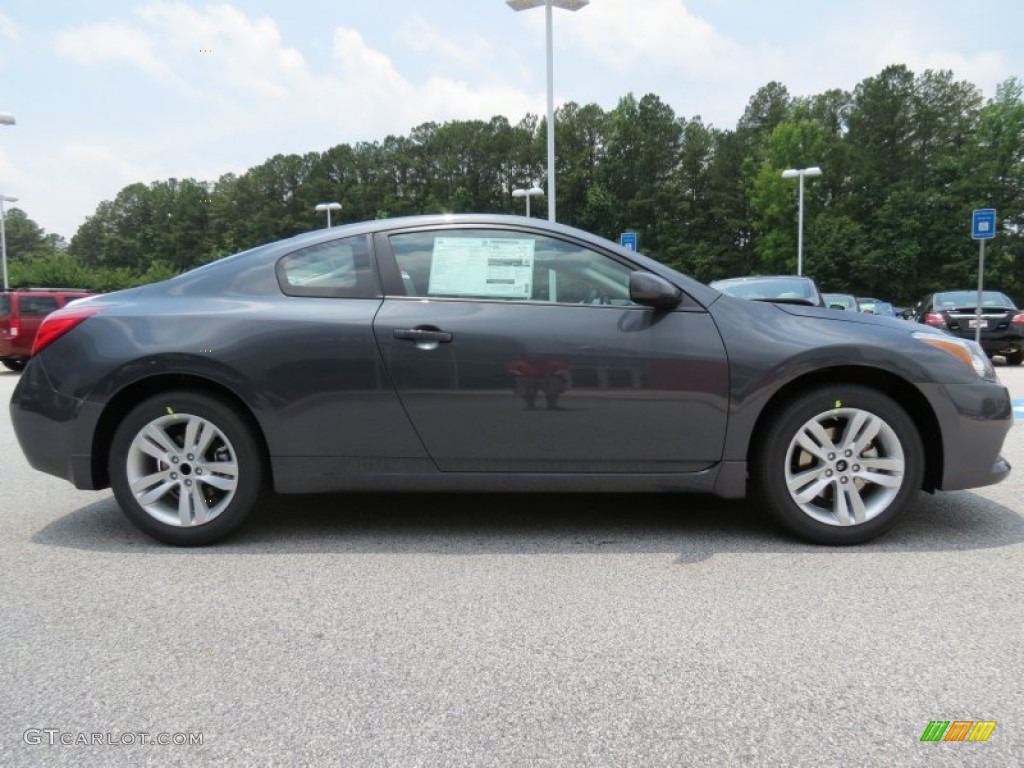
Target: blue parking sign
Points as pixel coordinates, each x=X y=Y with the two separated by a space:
x=628 y=240
x=983 y=224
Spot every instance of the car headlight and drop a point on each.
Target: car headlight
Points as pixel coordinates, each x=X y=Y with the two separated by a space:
x=967 y=352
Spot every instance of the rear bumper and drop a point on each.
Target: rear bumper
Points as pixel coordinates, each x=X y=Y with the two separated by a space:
x=53 y=430
x=1002 y=346
x=1005 y=341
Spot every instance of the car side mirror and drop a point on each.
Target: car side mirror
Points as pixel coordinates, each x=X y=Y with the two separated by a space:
x=650 y=290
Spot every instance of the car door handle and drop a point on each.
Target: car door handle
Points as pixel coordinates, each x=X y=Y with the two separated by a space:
x=422 y=334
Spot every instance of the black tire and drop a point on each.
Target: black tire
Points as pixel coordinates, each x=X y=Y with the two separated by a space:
x=222 y=477
x=1016 y=358
x=14 y=365
x=882 y=471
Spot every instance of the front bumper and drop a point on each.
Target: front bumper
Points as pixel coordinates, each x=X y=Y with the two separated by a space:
x=974 y=419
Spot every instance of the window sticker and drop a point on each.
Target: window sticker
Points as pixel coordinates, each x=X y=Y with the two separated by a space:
x=500 y=268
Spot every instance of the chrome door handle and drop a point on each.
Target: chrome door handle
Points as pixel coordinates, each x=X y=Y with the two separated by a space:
x=422 y=334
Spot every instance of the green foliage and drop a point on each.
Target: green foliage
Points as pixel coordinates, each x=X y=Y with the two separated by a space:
x=905 y=159
x=56 y=269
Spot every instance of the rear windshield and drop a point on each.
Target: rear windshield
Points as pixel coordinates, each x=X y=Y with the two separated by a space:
x=955 y=299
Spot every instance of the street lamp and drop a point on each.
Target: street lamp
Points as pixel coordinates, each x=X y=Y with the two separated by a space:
x=569 y=5
x=3 y=234
x=793 y=173
x=528 y=193
x=321 y=207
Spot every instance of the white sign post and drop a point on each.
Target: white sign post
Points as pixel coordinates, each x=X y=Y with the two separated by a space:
x=983 y=227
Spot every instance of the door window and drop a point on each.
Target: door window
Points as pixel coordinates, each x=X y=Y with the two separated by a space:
x=502 y=265
x=37 y=306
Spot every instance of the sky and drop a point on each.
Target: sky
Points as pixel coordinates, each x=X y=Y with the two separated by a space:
x=107 y=93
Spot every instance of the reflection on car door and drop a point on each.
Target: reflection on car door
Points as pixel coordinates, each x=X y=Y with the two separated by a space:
x=517 y=352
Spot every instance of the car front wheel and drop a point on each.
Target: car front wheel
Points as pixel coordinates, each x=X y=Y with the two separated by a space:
x=186 y=468
x=839 y=465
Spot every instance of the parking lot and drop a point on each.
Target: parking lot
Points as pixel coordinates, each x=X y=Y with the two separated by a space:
x=507 y=630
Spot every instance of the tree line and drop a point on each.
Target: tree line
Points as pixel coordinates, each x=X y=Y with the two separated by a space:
x=905 y=158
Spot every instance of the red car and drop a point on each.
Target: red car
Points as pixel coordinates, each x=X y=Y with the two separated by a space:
x=22 y=312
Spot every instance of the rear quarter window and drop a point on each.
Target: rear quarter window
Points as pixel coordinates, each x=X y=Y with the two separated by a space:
x=5 y=306
x=336 y=269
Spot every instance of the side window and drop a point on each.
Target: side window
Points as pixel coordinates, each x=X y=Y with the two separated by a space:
x=502 y=265
x=38 y=306
x=339 y=269
x=5 y=305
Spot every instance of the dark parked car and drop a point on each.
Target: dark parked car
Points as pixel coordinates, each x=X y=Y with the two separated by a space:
x=784 y=289
x=1002 y=323
x=21 y=313
x=495 y=353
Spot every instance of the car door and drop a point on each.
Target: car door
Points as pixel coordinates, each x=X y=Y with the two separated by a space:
x=513 y=350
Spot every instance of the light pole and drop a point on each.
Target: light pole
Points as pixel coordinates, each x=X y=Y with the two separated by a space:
x=793 y=173
x=6 y=118
x=3 y=234
x=528 y=193
x=569 y=5
x=321 y=207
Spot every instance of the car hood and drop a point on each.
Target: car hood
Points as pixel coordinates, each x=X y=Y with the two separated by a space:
x=862 y=318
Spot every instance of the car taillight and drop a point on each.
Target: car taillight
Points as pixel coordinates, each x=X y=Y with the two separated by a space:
x=934 y=318
x=1018 y=319
x=60 y=322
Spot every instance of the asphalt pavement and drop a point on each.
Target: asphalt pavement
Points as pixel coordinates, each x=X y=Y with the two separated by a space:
x=555 y=630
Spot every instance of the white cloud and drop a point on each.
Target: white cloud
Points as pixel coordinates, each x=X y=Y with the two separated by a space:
x=228 y=92
x=416 y=34
x=661 y=33
x=221 y=46
x=984 y=68
x=372 y=92
x=88 y=173
x=119 y=43
x=81 y=157
x=853 y=45
x=243 y=72
x=8 y=29
x=10 y=39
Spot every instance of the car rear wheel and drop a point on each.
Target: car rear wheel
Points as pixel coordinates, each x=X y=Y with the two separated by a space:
x=839 y=465
x=186 y=468
x=14 y=365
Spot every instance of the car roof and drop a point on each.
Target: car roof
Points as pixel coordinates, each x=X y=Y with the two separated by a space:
x=696 y=289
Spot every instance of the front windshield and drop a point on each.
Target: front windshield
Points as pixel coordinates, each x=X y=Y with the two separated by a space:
x=766 y=288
